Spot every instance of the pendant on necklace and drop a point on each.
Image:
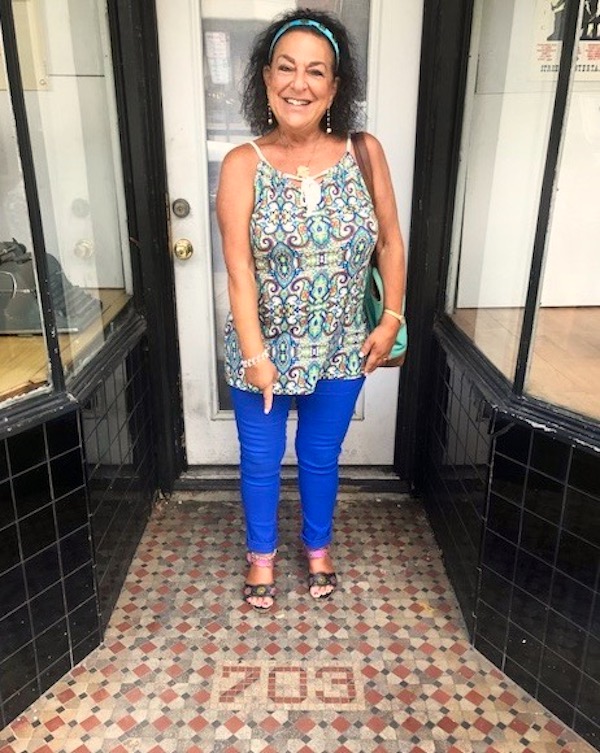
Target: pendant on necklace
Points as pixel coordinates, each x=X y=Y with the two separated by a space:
x=302 y=171
x=311 y=193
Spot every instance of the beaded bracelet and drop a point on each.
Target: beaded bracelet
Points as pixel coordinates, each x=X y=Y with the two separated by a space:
x=248 y=362
x=399 y=317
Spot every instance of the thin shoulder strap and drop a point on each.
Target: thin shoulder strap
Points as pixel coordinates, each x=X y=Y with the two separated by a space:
x=257 y=149
x=363 y=160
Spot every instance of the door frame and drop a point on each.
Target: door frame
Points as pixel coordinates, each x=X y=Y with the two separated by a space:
x=134 y=40
x=134 y=36
x=444 y=59
x=181 y=25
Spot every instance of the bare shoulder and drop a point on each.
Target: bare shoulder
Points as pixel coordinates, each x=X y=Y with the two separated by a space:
x=235 y=193
x=236 y=180
x=374 y=147
x=239 y=161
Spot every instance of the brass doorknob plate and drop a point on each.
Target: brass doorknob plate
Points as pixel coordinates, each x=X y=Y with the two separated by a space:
x=183 y=249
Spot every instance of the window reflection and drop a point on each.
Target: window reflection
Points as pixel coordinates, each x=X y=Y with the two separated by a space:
x=66 y=73
x=565 y=360
x=23 y=361
x=514 y=70
x=504 y=151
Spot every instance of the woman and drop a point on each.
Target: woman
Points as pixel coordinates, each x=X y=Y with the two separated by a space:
x=298 y=228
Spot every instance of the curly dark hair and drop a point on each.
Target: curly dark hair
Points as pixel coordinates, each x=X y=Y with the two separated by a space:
x=345 y=111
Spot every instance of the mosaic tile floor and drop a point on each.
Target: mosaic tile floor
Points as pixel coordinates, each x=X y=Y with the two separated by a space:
x=383 y=667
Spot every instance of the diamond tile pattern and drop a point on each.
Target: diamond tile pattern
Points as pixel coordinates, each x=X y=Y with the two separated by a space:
x=385 y=666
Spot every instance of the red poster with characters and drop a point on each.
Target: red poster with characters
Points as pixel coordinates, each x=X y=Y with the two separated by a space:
x=549 y=27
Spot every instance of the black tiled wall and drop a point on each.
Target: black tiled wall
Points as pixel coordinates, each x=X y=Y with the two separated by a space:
x=541 y=572
x=121 y=471
x=523 y=553
x=48 y=605
x=75 y=495
x=456 y=475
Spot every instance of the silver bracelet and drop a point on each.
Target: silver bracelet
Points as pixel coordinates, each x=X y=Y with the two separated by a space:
x=248 y=362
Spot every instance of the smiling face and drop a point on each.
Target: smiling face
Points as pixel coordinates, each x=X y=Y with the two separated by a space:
x=300 y=80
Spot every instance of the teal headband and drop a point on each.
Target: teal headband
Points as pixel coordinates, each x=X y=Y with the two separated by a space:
x=307 y=22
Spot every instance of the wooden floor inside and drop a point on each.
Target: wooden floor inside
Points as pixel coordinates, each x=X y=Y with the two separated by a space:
x=24 y=358
x=565 y=363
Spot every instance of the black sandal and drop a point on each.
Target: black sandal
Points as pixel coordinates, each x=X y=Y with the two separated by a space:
x=260 y=590
x=320 y=579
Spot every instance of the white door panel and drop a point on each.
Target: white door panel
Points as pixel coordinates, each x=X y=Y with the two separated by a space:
x=192 y=165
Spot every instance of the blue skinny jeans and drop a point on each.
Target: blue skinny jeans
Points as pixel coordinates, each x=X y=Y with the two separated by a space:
x=323 y=420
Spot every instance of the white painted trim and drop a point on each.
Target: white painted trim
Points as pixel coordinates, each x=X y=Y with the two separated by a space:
x=373 y=66
x=202 y=172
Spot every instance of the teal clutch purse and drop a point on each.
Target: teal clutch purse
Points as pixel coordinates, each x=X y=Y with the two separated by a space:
x=374 y=312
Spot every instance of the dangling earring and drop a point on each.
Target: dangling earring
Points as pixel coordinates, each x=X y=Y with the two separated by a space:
x=269 y=115
x=328 y=127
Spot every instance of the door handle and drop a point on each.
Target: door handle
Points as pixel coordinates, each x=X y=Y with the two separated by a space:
x=183 y=249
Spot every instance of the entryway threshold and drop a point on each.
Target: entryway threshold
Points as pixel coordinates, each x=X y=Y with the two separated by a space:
x=366 y=477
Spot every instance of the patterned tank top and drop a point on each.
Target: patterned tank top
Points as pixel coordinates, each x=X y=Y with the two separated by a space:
x=311 y=255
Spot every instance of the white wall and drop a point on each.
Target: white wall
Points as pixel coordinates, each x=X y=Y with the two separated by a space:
x=511 y=113
x=572 y=272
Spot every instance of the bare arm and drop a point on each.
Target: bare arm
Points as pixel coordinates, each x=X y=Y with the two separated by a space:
x=235 y=200
x=390 y=257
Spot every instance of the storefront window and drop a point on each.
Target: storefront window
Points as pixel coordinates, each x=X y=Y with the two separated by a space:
x=565 y=354
x=513 y=74
x=23 y=360
x=507 y=119
x=65 y=62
